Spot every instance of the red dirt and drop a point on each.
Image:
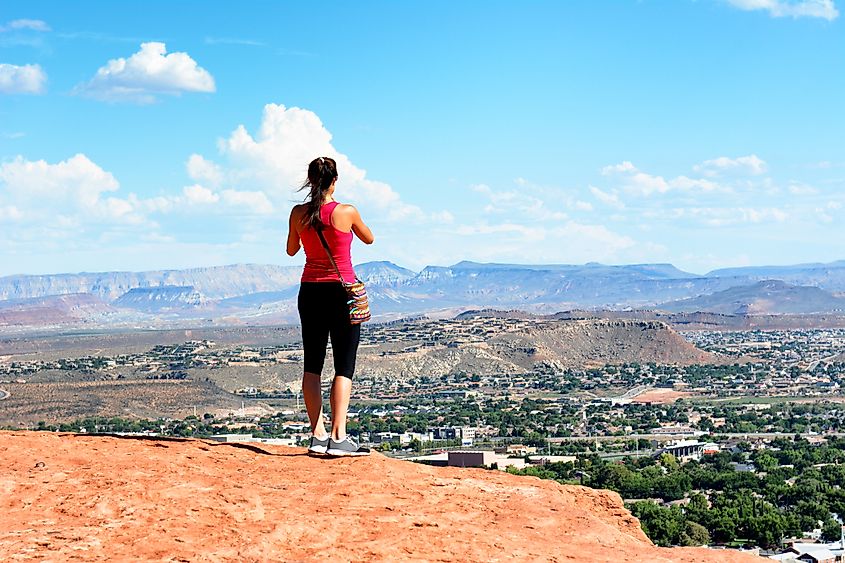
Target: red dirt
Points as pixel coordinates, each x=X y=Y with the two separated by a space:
x=71 y=497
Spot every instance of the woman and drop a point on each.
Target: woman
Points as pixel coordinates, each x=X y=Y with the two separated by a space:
x=322 y=302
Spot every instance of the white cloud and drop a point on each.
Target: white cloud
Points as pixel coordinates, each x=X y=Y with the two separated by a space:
x=197 y=198
x=157 y=204
x=158 y=238
x=26 y=79
x=253 y=202
x=751 y=164
x=626 y=166
x=767 y=214
x=443 y=217
x=202 y=170
x=719 y=216
x=528 y=233
x=198 y=195
x=146 y=74
x=276 y=159
x=594 y=235
x=65 y=195
x=32 y=25
x=637 y=182
x=696 y=184
x=532 y=202
x=826 y=214
x=76 y=180
x=791 y=8
x=825 y=165
x=528 y=224
x=802 y=189
x=10 y=213
x=823 y=215
x=75 y=204
x=564 y=242
x=607 y=198
x=519 y=203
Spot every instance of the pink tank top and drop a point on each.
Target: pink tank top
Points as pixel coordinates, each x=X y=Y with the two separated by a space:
x=318 y=268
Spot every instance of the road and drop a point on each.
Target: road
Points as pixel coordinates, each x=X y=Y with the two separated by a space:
x=633 y=393
x=815 y=363
x=668 y=437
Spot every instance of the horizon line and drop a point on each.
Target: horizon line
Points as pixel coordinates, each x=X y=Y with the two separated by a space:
x=457 y=264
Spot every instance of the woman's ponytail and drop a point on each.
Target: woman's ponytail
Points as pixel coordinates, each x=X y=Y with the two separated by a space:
x=321 y=173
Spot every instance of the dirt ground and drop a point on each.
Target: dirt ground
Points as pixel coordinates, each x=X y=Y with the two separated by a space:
x=67 y=497
x=661 y=396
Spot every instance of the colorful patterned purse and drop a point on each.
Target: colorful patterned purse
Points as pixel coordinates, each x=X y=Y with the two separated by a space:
x=358 y=303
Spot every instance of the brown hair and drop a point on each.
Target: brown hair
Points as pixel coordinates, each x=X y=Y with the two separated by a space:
x=321 y=173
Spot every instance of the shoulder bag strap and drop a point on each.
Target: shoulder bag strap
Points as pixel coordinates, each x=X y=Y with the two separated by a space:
x=329 y=253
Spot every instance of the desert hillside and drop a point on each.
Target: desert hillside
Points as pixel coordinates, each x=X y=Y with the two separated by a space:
x=595 y=342
x=92 y=498
x=523 y=345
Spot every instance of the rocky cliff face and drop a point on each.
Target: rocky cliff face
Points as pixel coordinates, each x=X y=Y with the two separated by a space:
x=90 y=498
x=383 y=273
x=163 y=298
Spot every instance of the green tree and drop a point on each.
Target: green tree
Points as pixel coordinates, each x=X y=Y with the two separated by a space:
x=694 y=534
x=765 y=462
x=766 y=530
x=723 y=526
x=663 y=526
x=669 y=461
x=832 y=530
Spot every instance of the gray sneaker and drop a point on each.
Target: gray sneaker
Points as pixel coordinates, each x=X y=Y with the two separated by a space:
x=318 y=446
x=346 y=447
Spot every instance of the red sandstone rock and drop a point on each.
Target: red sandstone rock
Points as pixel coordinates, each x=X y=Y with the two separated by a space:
x=70 y=497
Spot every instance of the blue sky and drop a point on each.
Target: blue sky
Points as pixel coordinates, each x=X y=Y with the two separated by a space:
x=706 y=133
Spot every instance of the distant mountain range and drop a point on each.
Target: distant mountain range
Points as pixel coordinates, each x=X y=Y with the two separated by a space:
x=214 y=282
x=265 y=294
x=762 y=298
x=798 y=274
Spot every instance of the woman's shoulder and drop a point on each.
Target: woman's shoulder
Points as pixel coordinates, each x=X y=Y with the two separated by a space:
x=345 y=209
x=343 y=216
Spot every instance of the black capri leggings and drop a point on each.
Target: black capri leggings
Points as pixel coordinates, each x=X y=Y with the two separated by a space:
x=323 y=313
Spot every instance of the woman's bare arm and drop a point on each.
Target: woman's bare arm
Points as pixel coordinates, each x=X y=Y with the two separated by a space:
x=294 y=226
x=361 y=230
